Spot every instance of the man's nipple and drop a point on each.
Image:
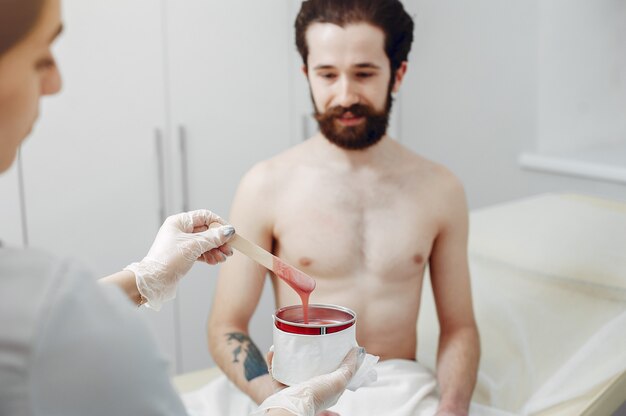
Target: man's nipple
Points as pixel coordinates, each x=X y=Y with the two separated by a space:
x=418 y=259
x=305 y=261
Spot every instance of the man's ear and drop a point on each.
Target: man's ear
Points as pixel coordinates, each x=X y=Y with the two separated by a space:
x=305 y=71
x=399 y=76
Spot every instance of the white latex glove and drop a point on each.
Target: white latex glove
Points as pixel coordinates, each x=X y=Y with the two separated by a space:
x=182 y=239
x=319 y=393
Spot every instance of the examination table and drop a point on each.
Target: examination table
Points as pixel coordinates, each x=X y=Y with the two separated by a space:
x=549 y=288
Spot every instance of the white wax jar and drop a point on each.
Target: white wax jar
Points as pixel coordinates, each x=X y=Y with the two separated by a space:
x=302 y=351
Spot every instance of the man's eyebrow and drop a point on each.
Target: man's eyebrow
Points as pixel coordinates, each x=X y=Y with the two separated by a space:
x=57 y=33
x=323 y=67
x=364 y=65
x=367 y=65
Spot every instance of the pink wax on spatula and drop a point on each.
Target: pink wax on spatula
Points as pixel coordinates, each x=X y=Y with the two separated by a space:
x=299 y=281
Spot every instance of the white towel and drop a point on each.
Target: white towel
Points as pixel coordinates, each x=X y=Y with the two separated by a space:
x=403 y=388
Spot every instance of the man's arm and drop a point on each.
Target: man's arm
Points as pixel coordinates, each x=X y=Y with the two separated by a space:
x=239 y=288
x=459 y=347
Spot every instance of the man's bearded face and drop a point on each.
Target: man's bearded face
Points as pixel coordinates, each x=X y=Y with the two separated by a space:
x=335 y=125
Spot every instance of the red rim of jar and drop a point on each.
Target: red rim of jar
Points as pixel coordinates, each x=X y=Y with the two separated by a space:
x=315 y=329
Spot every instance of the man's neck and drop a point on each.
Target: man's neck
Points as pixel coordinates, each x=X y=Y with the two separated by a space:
x=380 y=154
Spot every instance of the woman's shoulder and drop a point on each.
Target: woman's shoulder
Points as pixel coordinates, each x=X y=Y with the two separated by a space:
x=27 y=273
x=63 y=323
x=25 y=261
x=30 y=274
x=27 y=277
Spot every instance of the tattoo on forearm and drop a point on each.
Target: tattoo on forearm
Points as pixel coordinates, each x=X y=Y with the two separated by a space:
x=254 y=365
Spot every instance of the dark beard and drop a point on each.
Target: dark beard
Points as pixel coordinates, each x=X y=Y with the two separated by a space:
x=357 y=137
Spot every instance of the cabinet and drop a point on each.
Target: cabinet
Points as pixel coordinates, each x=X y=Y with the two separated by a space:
x=91 y=167
x=228 y=66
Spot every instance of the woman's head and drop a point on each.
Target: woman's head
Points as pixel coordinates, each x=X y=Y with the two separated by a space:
x=27 y=68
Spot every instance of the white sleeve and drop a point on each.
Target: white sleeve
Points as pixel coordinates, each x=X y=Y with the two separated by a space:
x=94 y=355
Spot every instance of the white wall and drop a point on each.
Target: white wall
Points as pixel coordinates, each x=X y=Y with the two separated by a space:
x=581 y=74
x=471 y=98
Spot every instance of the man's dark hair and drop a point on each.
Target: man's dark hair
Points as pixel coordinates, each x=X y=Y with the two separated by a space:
x=388 y=15
x=17 y=19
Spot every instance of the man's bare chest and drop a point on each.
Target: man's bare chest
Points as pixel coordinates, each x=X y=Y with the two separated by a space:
x=336 y=231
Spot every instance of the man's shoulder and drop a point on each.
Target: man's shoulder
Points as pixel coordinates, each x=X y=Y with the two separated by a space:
x=419 y=166
x=444 y=187
x=275 y=169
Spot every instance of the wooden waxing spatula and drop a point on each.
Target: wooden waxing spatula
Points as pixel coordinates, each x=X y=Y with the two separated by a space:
x=299 y=281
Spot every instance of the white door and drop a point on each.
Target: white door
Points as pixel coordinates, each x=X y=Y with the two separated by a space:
x=229 y=77
x=93 y=188
x=10 y=215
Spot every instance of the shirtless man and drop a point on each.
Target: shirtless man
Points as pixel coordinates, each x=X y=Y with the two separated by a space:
x=356 y=210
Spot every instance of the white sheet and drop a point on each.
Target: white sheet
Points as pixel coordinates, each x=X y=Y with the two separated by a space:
x=548 y=280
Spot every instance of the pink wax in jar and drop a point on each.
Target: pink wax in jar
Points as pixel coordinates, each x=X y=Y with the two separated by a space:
x=324 y=319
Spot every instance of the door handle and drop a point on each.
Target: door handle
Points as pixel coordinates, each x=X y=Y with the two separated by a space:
x=160 y=154
x=184 y=166
x=22 y=191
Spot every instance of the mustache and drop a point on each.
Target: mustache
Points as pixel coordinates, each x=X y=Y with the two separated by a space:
x=357 y=110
